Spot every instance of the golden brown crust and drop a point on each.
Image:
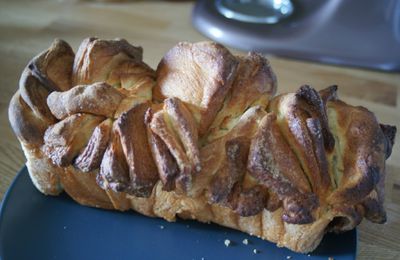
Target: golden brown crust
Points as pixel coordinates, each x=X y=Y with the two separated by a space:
x=273 y=202
x=99 y=99
x=96 y=58
x=236 y=151
x=53 y=67
x=44 y=175
x=113 y=173
x=292 y=114
x=64 y=140
x=270 y=154
x=272 y=163
x=34 y=95
x=213 y=154
x=315 y=131
x=363 y=153
x=254 y=84
x=199 y=74
x=250 y=201
x=317 y=109
x=136 y=78
x=48 y=71
x=84 y=189
x=28 y=128
x=158 y=126
x=183 y=124
x=128 y=103
x=90 y=158
x=329 y=94
x=133 y=134
x=309 y=165
x=166 y=163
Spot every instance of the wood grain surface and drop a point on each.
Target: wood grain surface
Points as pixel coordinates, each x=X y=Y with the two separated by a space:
x=27 y=28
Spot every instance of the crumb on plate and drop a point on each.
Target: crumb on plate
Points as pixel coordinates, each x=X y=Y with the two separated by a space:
x=227 y=242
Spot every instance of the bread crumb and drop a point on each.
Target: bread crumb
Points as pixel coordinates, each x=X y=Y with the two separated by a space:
x=161 y=227
x=308 y=255
x=330 y=258
x=288 y=257
x=245 y=241
x=227 y=242
x=255 y=251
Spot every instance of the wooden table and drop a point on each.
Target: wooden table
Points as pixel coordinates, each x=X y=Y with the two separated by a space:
x=27 y=28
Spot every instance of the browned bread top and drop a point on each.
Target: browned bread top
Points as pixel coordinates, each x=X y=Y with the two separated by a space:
x=204 y=124
x=97 y=58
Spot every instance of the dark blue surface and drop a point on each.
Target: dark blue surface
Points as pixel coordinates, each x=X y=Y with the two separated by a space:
x=35 y=226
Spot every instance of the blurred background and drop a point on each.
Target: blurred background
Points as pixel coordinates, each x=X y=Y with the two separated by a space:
x=361 y=33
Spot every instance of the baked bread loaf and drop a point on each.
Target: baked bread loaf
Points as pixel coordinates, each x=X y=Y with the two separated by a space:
x=203 y=137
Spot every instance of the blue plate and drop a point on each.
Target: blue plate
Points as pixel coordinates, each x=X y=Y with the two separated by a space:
x=34 y=226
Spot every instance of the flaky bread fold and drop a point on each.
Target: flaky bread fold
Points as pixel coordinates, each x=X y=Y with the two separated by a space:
x=202 y=137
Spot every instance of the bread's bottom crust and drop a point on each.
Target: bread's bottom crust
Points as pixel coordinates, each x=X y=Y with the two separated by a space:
x=44 y=175
x=82 y=187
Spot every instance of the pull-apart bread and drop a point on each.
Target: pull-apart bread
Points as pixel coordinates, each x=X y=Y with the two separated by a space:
x=203 y=137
